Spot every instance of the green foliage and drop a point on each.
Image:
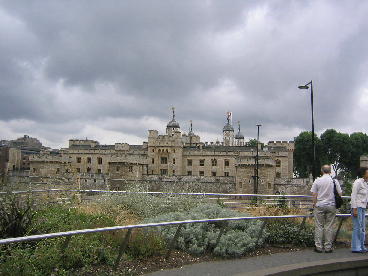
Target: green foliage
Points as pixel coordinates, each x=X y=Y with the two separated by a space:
x=146 y=206
x=339 y=149
x=336 y=149
x=16 y=215
x=238 y=238
x=303 y=154
x=45 y=257
x=146 y=244
x=287 y=232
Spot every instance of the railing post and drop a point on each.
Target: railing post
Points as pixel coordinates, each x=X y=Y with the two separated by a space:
x=65 y=245
x=338 y=229
x=122 y=248
x=302 y=225
x=261 y=232
x=222 y=230
x=173 y=241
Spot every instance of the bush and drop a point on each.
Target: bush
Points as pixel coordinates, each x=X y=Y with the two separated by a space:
x=146 y=206
x=45 y=257
x=16 y=215
x=287 y=232
x=146 y=244
x=238 y=238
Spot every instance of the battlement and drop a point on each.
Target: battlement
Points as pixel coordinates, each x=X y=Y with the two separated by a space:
x=85 y=142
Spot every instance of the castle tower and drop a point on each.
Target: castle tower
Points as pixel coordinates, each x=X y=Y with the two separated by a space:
x=228 y=131
x=172 y=126
x=239 y=137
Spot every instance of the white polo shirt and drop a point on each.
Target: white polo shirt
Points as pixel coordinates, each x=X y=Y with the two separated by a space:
x=324 y=188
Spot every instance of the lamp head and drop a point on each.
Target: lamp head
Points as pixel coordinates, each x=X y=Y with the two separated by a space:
x=303 y=87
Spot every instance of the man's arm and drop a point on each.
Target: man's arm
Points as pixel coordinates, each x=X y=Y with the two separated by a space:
x=314 y=195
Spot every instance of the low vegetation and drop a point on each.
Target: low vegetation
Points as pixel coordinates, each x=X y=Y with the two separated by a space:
x=86 y=252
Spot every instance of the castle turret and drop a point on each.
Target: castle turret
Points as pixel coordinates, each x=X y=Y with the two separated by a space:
x=173 y=126
x=239 y=137
x=228 y=132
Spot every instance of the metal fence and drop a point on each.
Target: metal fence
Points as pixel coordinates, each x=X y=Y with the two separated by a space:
x=123 y=246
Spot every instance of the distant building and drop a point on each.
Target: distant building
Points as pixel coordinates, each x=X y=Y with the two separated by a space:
x=173 y=155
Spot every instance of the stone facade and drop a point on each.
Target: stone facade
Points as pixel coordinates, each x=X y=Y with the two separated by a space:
x=173 y=155
x=364 y=161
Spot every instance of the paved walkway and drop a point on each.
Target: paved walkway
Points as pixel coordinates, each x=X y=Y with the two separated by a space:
x=258 y=265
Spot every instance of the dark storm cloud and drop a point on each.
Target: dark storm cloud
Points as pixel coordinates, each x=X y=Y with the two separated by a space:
x=113 y=64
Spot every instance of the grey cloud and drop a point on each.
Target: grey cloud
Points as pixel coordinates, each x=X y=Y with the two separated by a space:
x=154 y=54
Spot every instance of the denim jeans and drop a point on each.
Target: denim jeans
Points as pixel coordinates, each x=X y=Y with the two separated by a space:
x=358 y=237
x=324 y=218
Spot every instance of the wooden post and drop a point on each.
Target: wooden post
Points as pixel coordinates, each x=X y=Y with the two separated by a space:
x=173 y=241
x=122 y=248
x=338 y=229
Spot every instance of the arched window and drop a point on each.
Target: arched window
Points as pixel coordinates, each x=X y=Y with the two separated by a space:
x=278 y=163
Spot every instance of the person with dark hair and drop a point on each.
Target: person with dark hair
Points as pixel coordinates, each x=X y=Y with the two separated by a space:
x=359 y=199
x=324 y=209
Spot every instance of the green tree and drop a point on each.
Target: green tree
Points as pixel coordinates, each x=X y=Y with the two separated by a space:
x=303 y=154
x=336 y=150
x=359 y=147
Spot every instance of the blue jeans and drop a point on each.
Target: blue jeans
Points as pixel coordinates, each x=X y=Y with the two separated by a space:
x=358 y=237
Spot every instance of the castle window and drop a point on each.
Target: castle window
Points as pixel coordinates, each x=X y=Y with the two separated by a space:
x=173 y=172
x=153 y=150
x=201 y=173
x=278 y=174
x=189 y=162
x=78 y=170
x=163 y=160
x=99 y=160
x=153 y=160
x=98 y=171
x=227 y=174
x=174 y=161
x=79 y=159
x=227 y=163
x=173 y=150
x=88 y=170
x=34 y=170
x=57 y=170
x=214 y=162
x=201 y=162
x=130 y=168
x=278 y=163
x=214 y=174
x=89 y=160
x=269 y=186
x=163 y=171
x=117 y=168
x=240 y=185
x=189 y=172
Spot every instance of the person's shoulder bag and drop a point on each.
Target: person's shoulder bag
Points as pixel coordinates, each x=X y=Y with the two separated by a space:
x=338 y=199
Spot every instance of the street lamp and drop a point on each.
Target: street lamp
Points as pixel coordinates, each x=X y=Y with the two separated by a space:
x=306 y=86
x=256 y=165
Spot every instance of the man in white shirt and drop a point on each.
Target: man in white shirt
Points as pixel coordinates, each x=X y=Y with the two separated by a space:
x=324 y=209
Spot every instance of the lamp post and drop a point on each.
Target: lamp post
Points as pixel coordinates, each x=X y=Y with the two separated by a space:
x=256 y=167
x=306 y=86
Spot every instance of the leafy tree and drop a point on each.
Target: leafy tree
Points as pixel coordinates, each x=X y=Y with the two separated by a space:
x=253 y=143
x=336 y=150
x=303 y=154
x=359 y=147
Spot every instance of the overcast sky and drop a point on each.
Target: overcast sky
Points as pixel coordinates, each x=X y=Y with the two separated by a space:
x=111 y=70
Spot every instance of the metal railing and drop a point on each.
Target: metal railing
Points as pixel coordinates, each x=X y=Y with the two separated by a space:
x=172 y=243
x=163 y=193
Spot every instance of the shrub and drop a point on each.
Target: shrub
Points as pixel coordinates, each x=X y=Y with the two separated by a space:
x=287 y=232
x=238 y=238
x=16 y=215
x=146 y=206
x=146 y=244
